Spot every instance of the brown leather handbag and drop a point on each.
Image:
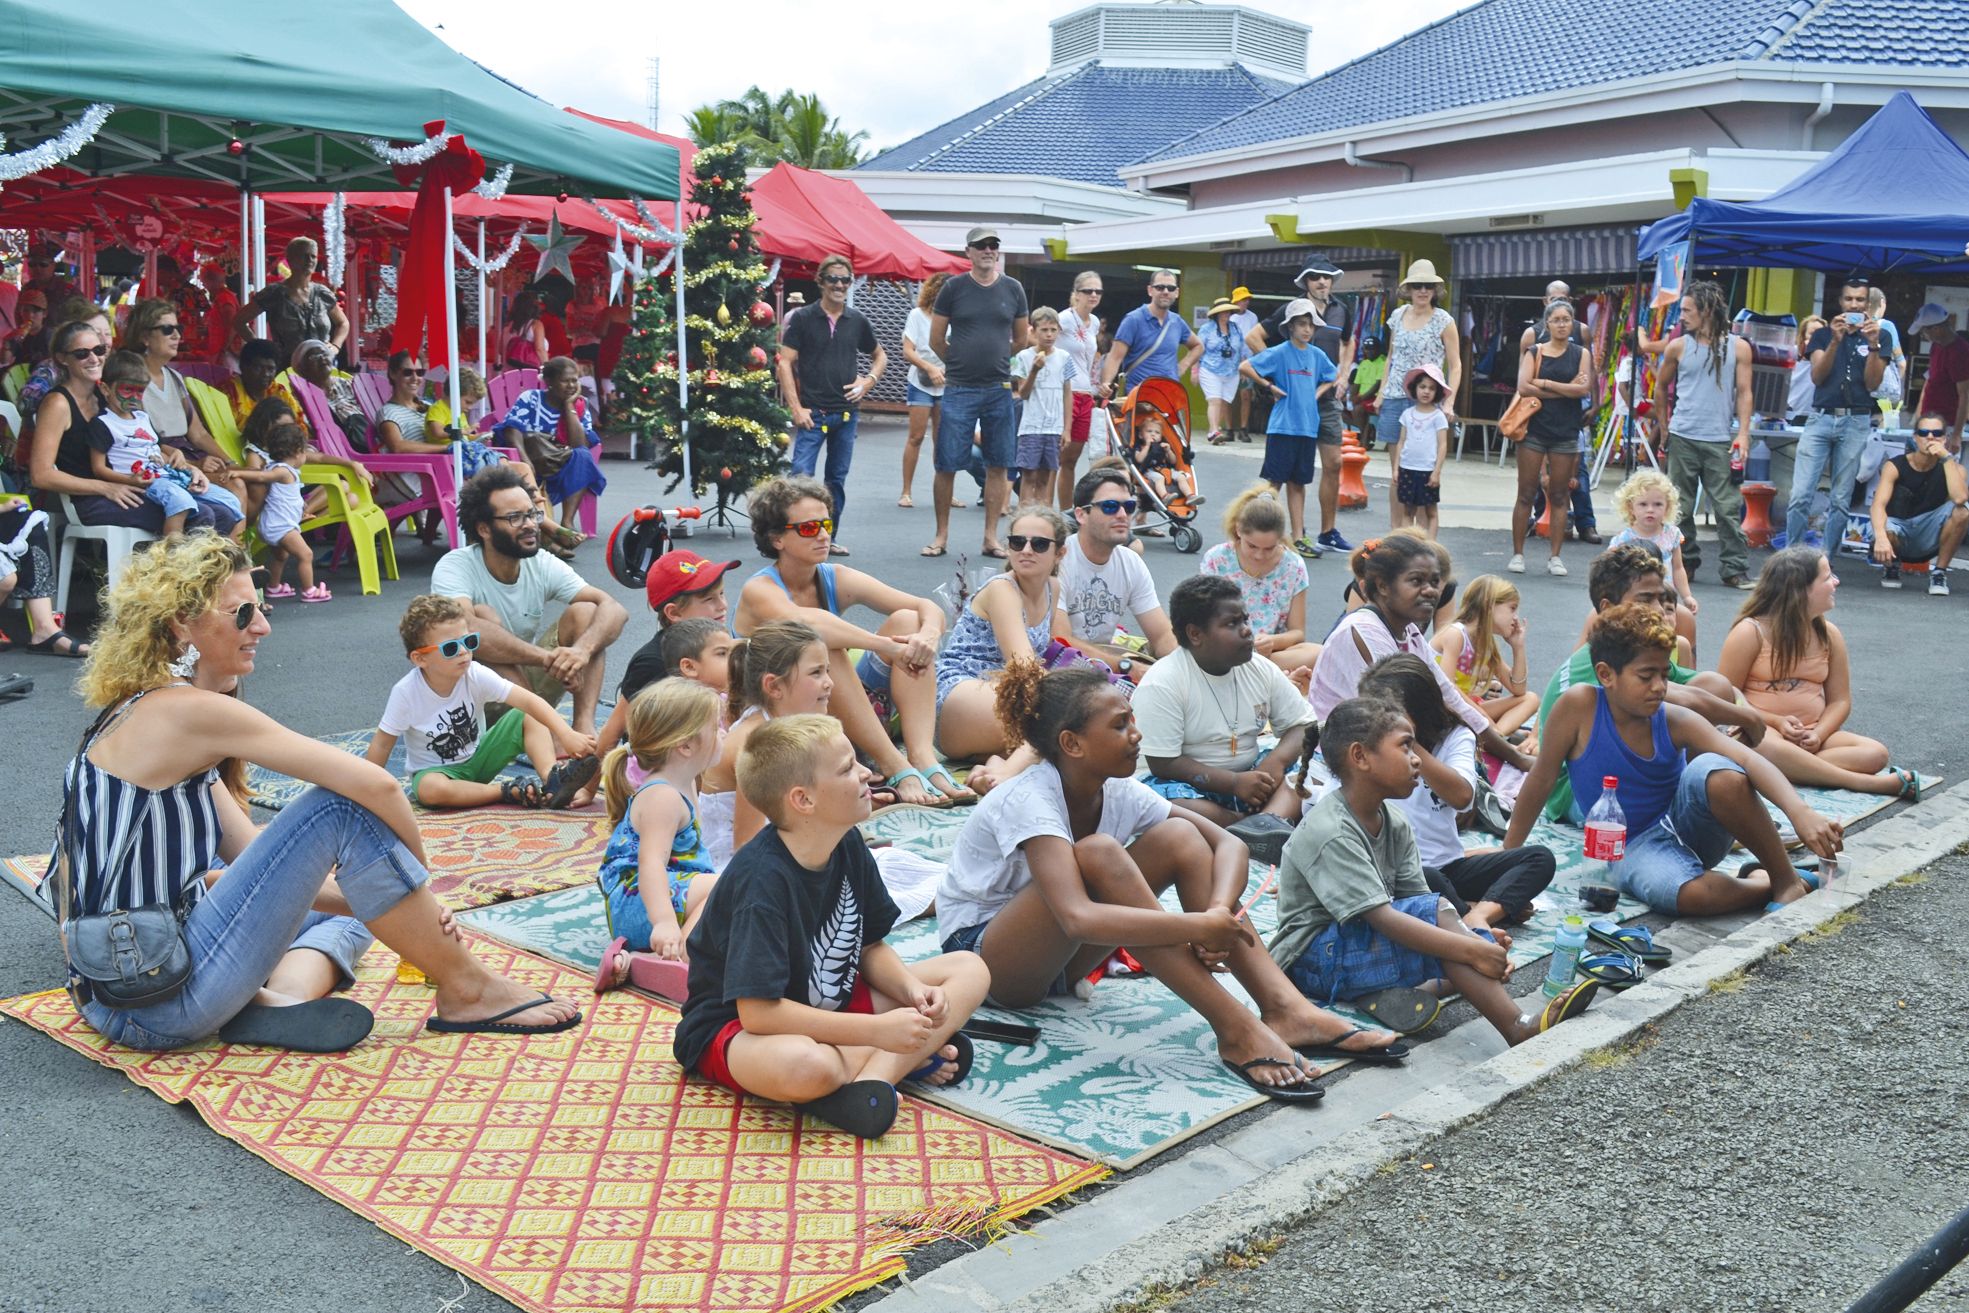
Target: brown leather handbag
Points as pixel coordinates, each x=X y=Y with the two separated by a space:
x=1517 y=417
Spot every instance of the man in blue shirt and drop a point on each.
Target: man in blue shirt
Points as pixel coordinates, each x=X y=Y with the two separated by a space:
x=1149 y=337
x=1298 y=376
x=1846 y=367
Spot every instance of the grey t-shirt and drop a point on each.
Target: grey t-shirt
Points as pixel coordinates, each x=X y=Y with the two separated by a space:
x=1333 y=871
x=522 y=604
x=979 y=339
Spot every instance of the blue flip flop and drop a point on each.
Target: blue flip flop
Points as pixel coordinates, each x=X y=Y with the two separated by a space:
x=936 y=798
x=966 y=1054
x=1636 y=940
x=957 y=795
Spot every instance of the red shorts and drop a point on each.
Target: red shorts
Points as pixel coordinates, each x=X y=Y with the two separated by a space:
x=1083 y=417
x=712 y=1065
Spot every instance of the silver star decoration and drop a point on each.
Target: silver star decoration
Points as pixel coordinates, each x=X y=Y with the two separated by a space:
x=623 y=264
x=554 y=248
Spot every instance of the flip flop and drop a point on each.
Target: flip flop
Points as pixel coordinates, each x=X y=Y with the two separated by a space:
x=1402 y=1010
x=321 y=1025
x=1265 y=835
x=1617 y=970
x=500 y=1026
x=1387 y=1056
x=1276 y=1093
x=46 y=647
x=1634 y=940
x=605 y=973
x=956 y=794
x=664 y=977
x=936 y=796
x=1910 y=782
x=934 y=550
x=1568 y=1005
x=864 y=1108
x=966 y=1054
x=568 y=778
x=996 y=553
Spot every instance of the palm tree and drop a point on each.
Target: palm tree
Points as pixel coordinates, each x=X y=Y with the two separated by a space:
x=790 y=126
x=811 y=139
x=709 y=125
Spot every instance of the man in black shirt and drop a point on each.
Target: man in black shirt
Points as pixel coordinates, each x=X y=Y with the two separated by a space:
x=1921 y=508
x=794 y=996
x=1846 y=367
x=820 y=350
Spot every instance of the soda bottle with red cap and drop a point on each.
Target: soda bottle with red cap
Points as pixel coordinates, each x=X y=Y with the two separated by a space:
x=1606 y=847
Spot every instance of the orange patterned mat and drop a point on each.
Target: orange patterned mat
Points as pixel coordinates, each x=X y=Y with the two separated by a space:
x=478 y=857
x=580 y=1172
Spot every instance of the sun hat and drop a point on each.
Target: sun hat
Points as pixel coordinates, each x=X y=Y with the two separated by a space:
x=1298 y=307
x=1420 y=273
x=1240 y=294
x=1223 y=305
x=1317 y=267
x=1421 y=372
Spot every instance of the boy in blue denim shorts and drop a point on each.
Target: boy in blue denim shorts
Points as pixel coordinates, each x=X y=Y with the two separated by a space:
x=1689 y=793
x=1356 y=919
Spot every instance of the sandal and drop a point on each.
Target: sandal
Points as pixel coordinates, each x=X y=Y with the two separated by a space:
x=935 y=797
x=318 y=593
x=966 y=1054
x=957 y=795
x=569 y=778
x=1302 y=1093
x=75 y=650
x=1402 y=1010
x=1616 y=970
x=1637 y=941
x=906 y=501
x=1568 y=1005
x=1910 y=782
x=521 y=793
x=279 y=591
x=1335 y=1050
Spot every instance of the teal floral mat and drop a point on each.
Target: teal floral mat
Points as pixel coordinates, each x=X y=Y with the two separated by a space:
x=1119 y=1078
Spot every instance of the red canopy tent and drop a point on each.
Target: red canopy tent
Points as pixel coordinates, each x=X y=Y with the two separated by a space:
x=849 y=224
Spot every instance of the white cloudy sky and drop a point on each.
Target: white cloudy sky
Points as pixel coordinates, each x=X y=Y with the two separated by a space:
x=893 y=69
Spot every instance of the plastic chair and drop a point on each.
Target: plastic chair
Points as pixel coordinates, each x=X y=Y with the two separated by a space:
x=434 y=468
x=372 y=390
x=11 y=384
x=204 y=371
x=365 y=525
x=118 y=543
x=503 y=389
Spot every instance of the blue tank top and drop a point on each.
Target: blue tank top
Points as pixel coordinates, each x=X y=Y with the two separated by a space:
x=825 y=579
x=1647 y=784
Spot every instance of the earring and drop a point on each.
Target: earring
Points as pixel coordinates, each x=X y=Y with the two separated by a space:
x=187 y=664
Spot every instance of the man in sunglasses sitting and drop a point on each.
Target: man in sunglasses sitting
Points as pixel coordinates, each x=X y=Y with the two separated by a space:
x=1921 y=508
x=1101 y=581
x=508 y=583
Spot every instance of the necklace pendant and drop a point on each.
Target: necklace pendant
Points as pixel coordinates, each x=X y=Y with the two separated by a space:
x=1233 y=740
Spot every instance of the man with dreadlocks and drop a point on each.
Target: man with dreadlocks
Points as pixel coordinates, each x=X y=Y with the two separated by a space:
x=1709 y=372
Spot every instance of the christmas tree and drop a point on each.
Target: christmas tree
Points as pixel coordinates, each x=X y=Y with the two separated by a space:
x=737 y=427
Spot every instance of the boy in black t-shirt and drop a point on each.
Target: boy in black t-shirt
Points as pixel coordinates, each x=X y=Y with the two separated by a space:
x=793 y=995
x=681 y=586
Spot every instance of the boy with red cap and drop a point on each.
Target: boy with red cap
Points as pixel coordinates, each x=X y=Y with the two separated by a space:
x=681 y=585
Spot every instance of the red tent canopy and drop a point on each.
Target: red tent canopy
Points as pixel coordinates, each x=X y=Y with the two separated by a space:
x=849 y=224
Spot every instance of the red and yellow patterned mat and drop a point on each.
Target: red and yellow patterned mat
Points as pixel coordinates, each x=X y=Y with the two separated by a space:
x=581 y=1172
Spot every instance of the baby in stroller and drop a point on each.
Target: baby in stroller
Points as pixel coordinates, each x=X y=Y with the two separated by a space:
x=1154 y=459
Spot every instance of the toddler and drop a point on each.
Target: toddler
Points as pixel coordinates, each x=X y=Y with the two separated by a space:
x=281 y=513
x=655 y=892
x=124 y=449
x=1649 y=504
x=1156 y=459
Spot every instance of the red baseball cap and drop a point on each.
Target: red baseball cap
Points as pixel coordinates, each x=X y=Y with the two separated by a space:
x=680 y=571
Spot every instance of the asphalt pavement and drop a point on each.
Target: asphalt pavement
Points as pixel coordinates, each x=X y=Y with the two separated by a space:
x=95 y=1166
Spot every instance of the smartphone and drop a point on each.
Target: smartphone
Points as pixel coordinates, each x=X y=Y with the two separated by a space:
x=1005 y=1032
x=1855 y=318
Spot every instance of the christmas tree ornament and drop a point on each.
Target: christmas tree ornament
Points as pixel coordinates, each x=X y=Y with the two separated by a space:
x=733 y=243
x=712 y=378
x=555 y=249
x=623 y=264
x=725 y=474
x=760 y=314
x=235 y=147
x=724 y=315
x=757 y=355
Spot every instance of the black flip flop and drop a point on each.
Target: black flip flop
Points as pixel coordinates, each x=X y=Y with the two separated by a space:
x=1388 y=1056
x=1402 y=1010
x=1307 y=1093
x=1636 y=941
x=322 y=1025
x=500 y=1026
x=46 y=647
x=568 y=778
x=863 y=1108
x=966 y=1054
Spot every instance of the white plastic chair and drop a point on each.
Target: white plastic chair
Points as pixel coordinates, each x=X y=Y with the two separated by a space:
x=118 y=543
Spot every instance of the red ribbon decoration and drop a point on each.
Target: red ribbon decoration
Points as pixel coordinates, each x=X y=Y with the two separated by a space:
x=421 y=291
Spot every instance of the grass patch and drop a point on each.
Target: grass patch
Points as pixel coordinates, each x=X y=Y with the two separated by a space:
x=1921 y=877
x=1731 y=983
x=1158 y=1298
x=1615 y=1055
x=1834 y=926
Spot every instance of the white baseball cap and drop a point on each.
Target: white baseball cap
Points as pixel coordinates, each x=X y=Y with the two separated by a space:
x=1928 y=316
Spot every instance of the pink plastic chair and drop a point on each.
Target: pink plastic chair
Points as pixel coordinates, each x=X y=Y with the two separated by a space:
x=372 y=390
x=205 y=372
x=503 y=389
x=434 y=468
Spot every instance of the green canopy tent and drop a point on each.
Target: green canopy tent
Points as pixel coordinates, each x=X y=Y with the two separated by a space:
x=231 y=92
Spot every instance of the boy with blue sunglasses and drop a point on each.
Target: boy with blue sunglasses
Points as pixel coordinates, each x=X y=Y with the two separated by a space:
x=438 y=709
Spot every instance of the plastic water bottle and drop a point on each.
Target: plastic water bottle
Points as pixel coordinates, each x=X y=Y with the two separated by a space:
x=1606 y=846
x=1566 y=947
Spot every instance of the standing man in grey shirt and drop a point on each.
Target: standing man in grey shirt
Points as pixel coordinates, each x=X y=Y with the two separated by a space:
x=977 y=323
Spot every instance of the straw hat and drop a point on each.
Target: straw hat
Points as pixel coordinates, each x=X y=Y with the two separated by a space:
x=1420 y=273
x=1223 y=305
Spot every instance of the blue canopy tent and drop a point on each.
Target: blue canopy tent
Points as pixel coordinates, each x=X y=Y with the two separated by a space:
x=1893 y=198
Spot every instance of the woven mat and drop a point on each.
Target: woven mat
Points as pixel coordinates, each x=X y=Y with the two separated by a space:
x=580 y=1172
x=272 y=790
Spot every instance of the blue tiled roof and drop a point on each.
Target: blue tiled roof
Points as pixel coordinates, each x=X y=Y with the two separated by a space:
x=1505 y=49
x=1082 y=124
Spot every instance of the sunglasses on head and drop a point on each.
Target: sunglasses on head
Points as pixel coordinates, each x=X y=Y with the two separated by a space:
x=837 y=280
x=1038 y=542
x=243 y=614
x=451 y=647
x=1112 y=506
x=810 y=528
x=84 y=352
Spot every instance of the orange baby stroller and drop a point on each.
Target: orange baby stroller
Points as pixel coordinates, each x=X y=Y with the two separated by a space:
x=1174 y=462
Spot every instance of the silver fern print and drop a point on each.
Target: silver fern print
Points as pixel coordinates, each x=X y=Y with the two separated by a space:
x=835 y=952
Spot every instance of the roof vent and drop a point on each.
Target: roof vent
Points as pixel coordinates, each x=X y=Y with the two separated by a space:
x=1180 y=34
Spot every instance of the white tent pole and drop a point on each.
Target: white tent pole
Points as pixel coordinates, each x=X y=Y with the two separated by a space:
x=451 y=363
x=246 y=287
x=683 y=359
x=260 y=257
x=483 y=371
x=352 y=293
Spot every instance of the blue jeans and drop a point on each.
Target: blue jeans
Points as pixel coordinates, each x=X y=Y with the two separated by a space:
x=261 y=906
x=837 y=429
x=214 y=506
x=1919 y=538
x=1838 y=442
x=1351 y=958
x=1685 y=842
x=988 y=410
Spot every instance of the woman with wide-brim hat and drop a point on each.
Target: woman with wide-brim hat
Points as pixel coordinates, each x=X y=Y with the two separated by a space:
x=1420 y=332
x=1216 y=369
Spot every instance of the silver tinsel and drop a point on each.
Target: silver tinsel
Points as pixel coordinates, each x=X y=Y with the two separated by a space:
x=57 y=148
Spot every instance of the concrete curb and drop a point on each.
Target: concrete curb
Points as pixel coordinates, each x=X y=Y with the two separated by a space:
x=1179 y=1249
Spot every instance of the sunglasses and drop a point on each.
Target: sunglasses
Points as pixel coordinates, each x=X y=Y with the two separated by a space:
x=1162 y=287
x=1038 y=542
x=810 y=528
x=242 y=616
x=451 y=647
x=1086 y=291
x=173 y=329
x=837 y=280
x=1112 y=506
x=84 y=352
x=520 y=519
x=1931 y=433
x=991 y=245
x=408 y=372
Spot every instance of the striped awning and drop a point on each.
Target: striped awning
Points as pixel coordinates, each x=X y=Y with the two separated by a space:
x=1292 y=258
x=1544 y=252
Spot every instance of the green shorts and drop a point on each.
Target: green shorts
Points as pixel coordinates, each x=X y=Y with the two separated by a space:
x=504 y=741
